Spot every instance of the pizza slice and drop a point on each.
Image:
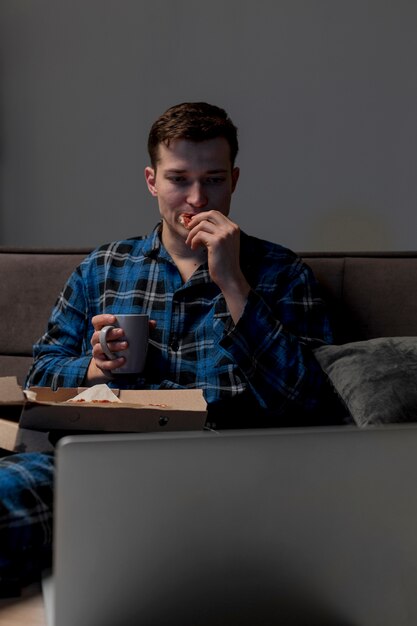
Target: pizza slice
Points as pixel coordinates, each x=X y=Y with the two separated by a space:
x=185 y=219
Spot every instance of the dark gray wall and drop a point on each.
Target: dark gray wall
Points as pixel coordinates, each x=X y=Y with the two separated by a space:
x=324 y=93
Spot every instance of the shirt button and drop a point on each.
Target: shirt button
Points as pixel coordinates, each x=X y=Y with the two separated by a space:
x=175 y=345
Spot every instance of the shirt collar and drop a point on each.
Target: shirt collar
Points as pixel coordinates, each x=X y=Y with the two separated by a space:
x=153 y=245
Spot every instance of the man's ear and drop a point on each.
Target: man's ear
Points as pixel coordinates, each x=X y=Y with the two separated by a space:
x=235 y=177
x=150 y=177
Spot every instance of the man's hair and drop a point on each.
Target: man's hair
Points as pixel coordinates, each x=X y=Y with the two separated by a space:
x=195 y=121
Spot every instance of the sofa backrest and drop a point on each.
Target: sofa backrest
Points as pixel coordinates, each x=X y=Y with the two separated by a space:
x=31 y=281
x=369 y=295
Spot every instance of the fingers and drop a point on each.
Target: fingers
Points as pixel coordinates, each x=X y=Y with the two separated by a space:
x=115 y=343
x=113 y=336
x=104 y=319
x=207 y=218
x=211 y=228
x=202 y=228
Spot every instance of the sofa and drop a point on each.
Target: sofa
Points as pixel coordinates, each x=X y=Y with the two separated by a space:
x=370 y=295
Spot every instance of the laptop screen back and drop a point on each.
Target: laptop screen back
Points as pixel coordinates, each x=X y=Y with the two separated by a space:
x=265 y=527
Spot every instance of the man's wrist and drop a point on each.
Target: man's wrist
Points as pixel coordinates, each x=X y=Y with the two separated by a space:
x=95 y=375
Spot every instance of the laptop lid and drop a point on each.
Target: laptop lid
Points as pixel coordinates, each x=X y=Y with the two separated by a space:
x=266 y=527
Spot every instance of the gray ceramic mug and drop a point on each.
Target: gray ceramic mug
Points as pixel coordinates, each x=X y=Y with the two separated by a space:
x=136 y=333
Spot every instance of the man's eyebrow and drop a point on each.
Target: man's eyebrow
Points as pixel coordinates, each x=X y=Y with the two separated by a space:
x=182 y=171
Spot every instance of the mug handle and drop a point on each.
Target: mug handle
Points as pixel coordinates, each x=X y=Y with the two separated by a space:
x=103 y=342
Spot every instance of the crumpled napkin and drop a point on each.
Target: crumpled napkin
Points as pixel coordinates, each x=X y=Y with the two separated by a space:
x=96 y=393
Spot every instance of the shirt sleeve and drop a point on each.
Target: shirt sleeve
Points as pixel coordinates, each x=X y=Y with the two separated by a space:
x=62 y=355
x=274 y=339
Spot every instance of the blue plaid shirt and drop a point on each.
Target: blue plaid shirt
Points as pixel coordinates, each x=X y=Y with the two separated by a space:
x=263 y=361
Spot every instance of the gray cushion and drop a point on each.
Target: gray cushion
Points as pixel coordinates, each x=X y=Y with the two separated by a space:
x=376 y=378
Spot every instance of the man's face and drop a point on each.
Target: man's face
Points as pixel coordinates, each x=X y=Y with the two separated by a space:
x=192 y=177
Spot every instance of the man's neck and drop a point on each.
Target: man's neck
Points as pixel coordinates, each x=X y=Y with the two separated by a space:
x=178 y=250
x=185 y=259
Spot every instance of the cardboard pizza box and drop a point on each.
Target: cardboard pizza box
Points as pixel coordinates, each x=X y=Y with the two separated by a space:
x=136 y=411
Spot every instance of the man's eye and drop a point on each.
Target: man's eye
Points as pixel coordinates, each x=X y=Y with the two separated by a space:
x=177 y=179
x=214 y=180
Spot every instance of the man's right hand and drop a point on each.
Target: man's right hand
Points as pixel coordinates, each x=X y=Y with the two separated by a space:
x=100 y=368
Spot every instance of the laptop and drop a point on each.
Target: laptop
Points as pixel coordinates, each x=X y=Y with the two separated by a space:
x=300 y=527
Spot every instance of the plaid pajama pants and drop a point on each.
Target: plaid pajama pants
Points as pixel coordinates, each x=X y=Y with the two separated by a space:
x=26 y=501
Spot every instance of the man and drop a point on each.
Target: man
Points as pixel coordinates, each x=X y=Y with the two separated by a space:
x=231 y=314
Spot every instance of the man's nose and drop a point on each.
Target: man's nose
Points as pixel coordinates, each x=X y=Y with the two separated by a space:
x=197 y=196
